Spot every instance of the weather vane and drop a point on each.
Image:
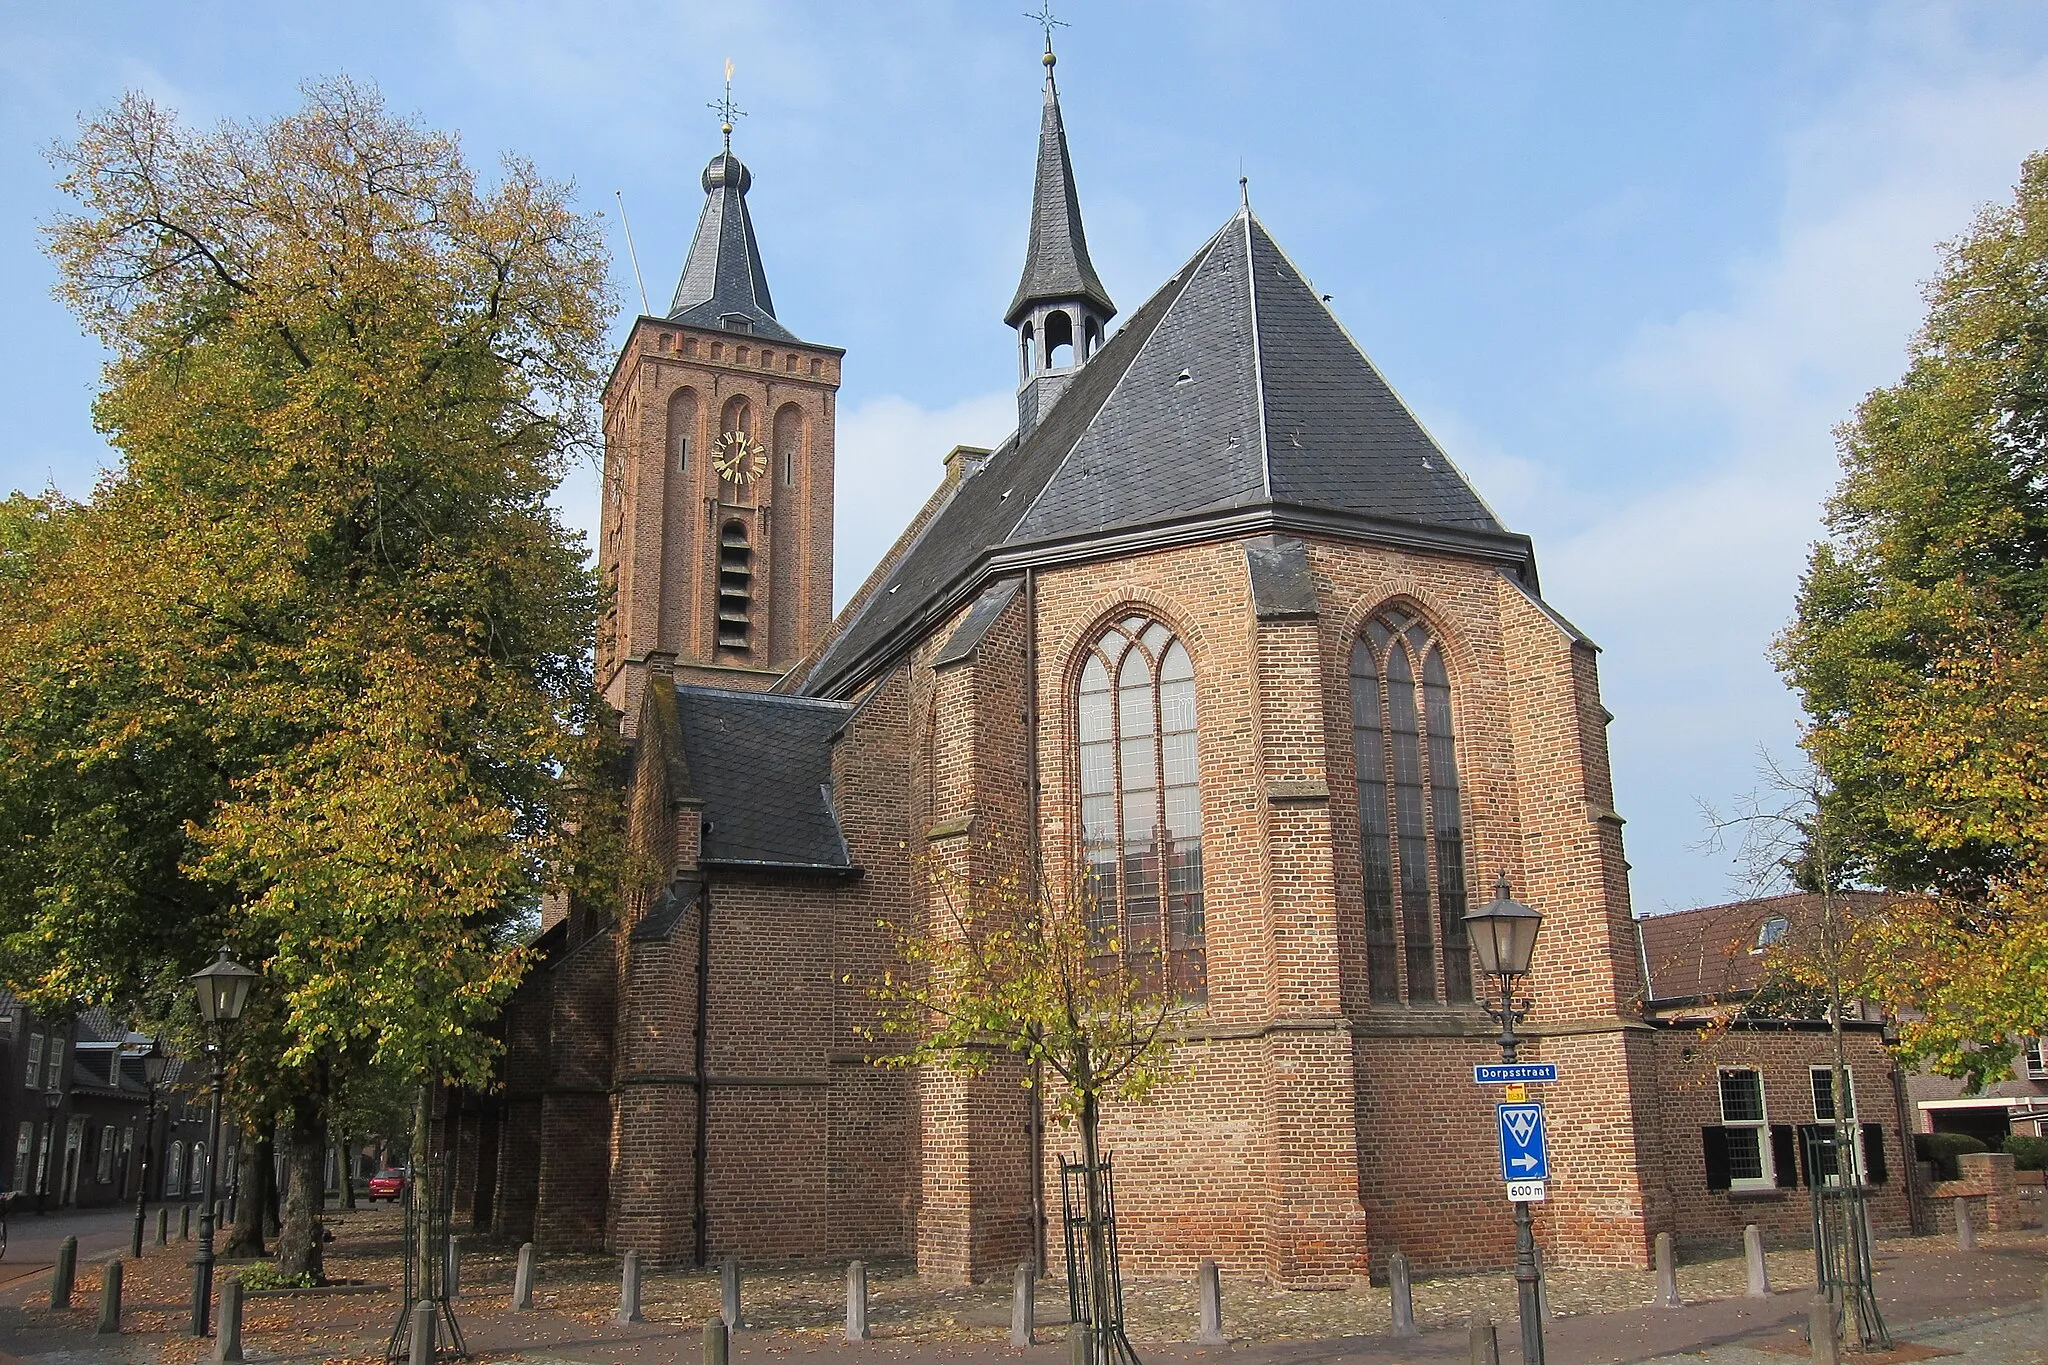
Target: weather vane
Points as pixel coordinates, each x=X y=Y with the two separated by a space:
x=1043 y=18
x=727 y=110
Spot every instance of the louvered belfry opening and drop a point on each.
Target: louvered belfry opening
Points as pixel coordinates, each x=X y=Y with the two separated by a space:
x=735 y=587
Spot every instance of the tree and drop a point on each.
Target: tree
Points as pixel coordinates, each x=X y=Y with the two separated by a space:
x=324 y=589
x=1920 y=649
x=1006 y=969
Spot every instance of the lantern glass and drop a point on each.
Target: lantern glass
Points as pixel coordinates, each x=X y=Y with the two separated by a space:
x=222 y=989
x=1503 y=933
x=155 y=1063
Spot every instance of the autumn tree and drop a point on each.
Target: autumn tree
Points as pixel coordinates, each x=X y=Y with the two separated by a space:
x=322 y=606
x=1920 y=648
x=1005 y=968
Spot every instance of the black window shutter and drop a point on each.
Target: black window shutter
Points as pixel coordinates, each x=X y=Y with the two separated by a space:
x=1809 y=1133
x=1873 y=1153
x=1785 y=1154
x=1714 y=1141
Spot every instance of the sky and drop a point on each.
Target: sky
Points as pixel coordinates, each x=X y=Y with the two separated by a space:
x=1630 y=263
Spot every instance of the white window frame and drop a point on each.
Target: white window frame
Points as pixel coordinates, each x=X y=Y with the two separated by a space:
x=2034 y=1060
x=24 y=1148
x=1814 y=1091
x=1760 y=1126
x=35 y=1060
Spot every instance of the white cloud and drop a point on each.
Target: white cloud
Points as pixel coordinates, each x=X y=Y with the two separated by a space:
x=890 y=457
x=1686 y=582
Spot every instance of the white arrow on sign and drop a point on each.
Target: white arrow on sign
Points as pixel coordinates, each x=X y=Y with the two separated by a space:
x=1527 y=1163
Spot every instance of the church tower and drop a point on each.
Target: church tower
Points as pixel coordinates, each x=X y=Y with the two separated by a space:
x=1061 y=309
x=715 y=536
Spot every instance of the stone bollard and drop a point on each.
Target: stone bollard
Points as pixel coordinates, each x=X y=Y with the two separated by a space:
x=714 y=1342
x=1820 y=1330
x=1753 y=1254
x=1667 y=1272
x=856 y=1301
x=64 y=1274
x=1024 y=1306
x=1966 y=1227
x=184 y=1222
x=452 y=1272
x=110 y=1301
x=629 y=1290
x=227 y=1339
x=522 y=1280
x=1485 y=1347
x=1209 y=1290
x=1080 y=1344
x=1404 y=1296
x=423 y=1325
x=729 y=1294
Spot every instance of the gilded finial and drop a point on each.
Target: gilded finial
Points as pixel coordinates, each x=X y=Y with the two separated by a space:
x=727 y=111
x=1043 y=18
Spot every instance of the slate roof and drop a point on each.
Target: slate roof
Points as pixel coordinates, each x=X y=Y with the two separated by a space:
x=1713 y=952
x=1056 y=264
x=1232 y=389
x=722 y=275
x=762 y=765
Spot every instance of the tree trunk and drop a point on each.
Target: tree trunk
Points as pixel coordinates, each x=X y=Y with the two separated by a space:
x=298 y=1240
x=252 y=1164
x=422 y=1189
x=1098 y=1222
x=348 y=1172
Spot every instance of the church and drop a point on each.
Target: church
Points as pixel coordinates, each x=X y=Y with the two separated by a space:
x=1222 y=627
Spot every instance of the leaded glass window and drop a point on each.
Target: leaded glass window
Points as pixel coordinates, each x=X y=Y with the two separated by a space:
x=1411 y=829
x=1141 y=801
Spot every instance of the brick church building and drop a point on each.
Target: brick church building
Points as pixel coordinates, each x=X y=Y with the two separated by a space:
x=1220 y=624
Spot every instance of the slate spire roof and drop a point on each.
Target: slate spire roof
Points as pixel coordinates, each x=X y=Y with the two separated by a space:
x=1056 y=264
x=1232 y=403
x=722 y=277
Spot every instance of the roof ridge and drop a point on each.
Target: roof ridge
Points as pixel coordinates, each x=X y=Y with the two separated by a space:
x=750 y=694
x=1251 y=284
x=1366 y=356
x=1186 y=274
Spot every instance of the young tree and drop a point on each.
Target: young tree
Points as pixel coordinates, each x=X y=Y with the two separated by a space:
x=324 y=588
x=1007 y=969
x=1921 y=648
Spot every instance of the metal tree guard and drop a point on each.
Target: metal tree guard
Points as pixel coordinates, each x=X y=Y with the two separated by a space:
x=434 y=1222
x=1842 y=1263
x=1111 y=1346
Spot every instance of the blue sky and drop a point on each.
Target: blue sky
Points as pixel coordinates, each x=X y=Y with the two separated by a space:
x=1631 y=262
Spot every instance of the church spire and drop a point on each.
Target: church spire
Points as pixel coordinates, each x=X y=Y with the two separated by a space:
x=1056 y=264
x=1061 y=309
x=723 y=284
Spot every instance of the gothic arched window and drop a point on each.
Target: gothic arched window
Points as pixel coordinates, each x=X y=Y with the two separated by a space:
x=1411 y=832
x=1141 y=801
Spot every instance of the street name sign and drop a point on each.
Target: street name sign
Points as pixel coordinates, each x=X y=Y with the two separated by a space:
x=1523 y=1153
x=1508 y=1073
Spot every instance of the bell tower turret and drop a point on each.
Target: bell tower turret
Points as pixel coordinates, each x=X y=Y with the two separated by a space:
x=1061 y=310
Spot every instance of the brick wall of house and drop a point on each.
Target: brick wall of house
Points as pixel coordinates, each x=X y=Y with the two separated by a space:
x=1688 y=1065
x=524 y=1071
x=576 y=1110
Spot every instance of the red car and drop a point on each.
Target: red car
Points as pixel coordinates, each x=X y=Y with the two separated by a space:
x=387 y=1185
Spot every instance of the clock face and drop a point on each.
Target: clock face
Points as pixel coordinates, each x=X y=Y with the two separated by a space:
x=740 y=458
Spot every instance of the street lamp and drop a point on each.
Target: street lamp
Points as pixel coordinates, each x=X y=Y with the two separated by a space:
x=154 y=1064
x=222 y=989
x=1503 y=935
x=53 y=1100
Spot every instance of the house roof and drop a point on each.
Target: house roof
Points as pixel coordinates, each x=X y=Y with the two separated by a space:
x=1056 y=264
x=1719 y=951
x=723 y=281
x=762 y=765
x=1232 y=391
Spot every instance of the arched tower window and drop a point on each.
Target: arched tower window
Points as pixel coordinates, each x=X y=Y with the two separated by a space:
x=1059 y=341
x=1028 y=356
x=682 y=428
x=735 y=587
x=1091 y=339
x=1141 y=801
x=789 y=443
x=1411 y=831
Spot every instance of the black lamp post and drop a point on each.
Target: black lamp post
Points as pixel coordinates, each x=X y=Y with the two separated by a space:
x=53 y=1100
x=222 y=988
x=154 y=1064
x=1503 y=934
